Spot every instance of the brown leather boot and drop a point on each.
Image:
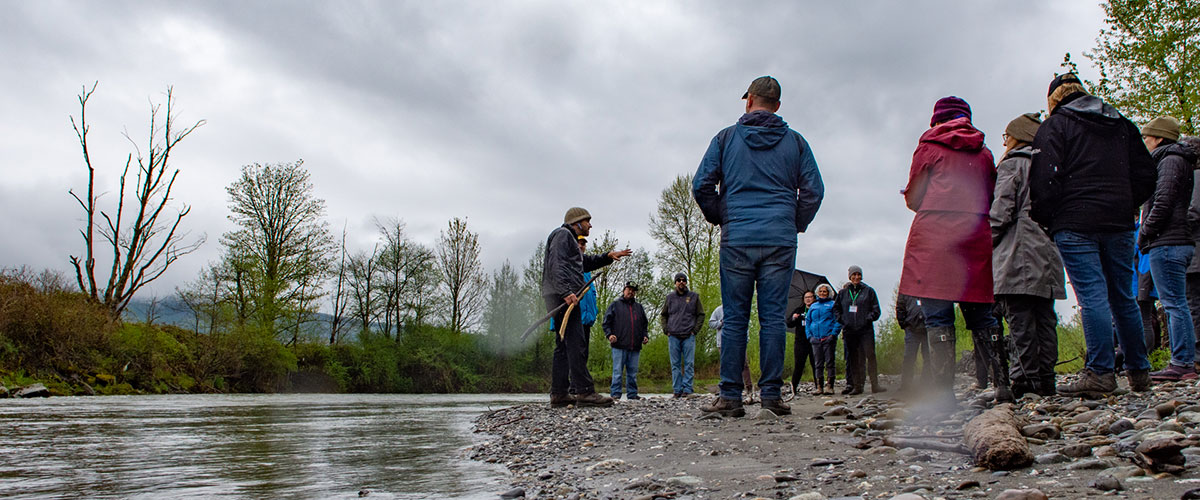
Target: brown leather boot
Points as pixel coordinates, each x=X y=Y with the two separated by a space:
x=1090 y=385
x=726 y=407
x=561 y=400
x=593 y=399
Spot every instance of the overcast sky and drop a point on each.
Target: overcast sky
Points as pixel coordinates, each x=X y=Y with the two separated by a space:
x=505 y=113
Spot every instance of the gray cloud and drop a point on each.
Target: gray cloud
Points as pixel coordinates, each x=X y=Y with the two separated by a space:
x=507 y=112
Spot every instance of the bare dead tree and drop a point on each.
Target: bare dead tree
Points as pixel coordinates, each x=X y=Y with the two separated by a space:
x=464 y=284
x=144 y=237
x=341 y=301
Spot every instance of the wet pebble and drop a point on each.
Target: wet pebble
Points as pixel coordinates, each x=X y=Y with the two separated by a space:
x=1105 y=482
x=1022 y=494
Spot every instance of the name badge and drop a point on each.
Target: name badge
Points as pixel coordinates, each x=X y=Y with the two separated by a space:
x=853 y=309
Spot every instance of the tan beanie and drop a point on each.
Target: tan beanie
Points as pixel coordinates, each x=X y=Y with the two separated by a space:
x=576 y=214
x=1163 y=126
x=1023 y=128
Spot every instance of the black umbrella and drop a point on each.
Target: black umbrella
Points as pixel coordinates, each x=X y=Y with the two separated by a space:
x=803 y=281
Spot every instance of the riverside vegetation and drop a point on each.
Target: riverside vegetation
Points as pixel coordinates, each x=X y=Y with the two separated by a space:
x=53 y=335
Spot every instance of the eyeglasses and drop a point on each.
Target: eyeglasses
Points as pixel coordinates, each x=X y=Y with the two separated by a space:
x=1004 y=136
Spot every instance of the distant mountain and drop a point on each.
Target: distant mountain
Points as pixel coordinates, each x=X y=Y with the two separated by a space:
x=172 y=311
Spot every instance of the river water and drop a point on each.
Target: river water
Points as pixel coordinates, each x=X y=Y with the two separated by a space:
x=247 y=446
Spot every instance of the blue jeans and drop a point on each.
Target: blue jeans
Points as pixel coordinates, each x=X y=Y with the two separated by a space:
x=1168 y=267
x=1100 y=267
x=683 y=355
x=744 y=269
x=624 y=360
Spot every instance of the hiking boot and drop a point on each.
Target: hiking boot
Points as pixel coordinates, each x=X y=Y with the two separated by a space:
x=876 y=388
x=1172 y=373
x=1004 y=394
x=847 y=389
x=1090 y=385
x=777 y=406
x=677 y=395
x=593 y=399
x=726 y=407
x=561 y=400
x=854 y=391
x=1139 y=380
x=1046 y=386
x=1021 y=387
x=632 y=397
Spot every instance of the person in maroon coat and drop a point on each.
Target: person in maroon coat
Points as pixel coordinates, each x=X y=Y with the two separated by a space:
x=948 y=257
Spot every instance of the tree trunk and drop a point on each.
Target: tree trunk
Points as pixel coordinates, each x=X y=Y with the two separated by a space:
x=995 y=440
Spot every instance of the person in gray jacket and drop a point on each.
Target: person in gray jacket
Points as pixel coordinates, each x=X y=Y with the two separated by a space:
x=912 y=320
x=682 y=318
x=1026 y=270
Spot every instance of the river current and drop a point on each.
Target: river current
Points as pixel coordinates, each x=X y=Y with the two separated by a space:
x=247 y=446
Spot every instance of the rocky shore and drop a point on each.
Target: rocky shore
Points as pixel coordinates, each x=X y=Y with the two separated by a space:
x=1131 y=445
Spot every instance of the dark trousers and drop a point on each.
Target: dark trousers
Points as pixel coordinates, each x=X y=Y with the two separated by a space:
x=802 y=352
x=860 y=357
x=1033 y=328
x=1153 y=331
x=823 y=363
x=915 y=341
x=568 y=372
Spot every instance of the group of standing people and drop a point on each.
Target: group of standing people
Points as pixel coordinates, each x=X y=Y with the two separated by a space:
x=993 y=239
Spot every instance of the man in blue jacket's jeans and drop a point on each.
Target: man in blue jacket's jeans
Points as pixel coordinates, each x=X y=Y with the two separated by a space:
x=760 y=183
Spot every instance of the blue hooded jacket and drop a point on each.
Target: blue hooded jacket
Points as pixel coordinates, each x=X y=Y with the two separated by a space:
x=821 y=321
x=769 y=187
x=588 y=308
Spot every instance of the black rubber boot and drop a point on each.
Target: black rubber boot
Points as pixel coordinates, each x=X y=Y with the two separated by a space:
x=941 y=350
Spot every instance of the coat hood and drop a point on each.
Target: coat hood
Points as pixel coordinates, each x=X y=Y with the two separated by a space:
x=957 y=134
x=761 y=129
x=1091 y=108
x=1193 y=142
x=1021 y=152
x=1181 y=149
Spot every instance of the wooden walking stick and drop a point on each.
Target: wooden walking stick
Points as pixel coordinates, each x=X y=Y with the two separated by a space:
x=556 y=309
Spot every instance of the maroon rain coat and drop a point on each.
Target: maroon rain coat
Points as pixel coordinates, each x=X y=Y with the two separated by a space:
x=950 y=187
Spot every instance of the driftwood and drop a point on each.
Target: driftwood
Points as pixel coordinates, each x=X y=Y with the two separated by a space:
x=925 y=444
x=995 y=440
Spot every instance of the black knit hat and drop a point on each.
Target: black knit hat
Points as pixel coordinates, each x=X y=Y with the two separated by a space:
x=1059 y=80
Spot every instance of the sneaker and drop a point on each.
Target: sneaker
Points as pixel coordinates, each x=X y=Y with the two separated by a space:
x=1090 y=385
x=1139 y=380
x=777 y=406
x=726 y=407
x=1173 y=372
x=593 y=399
x=561 y=400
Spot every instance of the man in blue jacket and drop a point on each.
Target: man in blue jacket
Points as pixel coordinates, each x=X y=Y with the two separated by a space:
x=760 y=183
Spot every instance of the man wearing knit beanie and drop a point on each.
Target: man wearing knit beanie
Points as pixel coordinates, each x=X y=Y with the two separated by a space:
x=1027 y=273
x=857 y=308
x=1165 y=238
x=1087 y=174
x=562 y=278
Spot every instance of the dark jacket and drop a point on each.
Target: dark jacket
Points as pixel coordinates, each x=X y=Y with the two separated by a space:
x=626 y=319
x=1024 y=260
x=909 y=314
x=1194 y=208
x=770 y=188
x=564 y=265
x=1090 y=169
x=1164 y=217
x=866 y=308
x=798 y=323
x=682 y=314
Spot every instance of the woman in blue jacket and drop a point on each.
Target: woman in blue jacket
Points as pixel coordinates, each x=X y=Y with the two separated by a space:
x=822 y=328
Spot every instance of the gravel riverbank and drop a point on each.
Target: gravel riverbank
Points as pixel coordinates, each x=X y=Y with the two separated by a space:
x=1131 y=445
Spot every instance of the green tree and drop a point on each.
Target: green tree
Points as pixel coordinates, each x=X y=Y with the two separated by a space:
x=282 y=248
x=1148 y=58
x=461 y=273
x=507 y=314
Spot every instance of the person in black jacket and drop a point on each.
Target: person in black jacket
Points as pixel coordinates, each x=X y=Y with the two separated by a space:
x=1165 y=236
x=682 y=318
x=802 y=350
x=912 y=320
x=1089 y=174
x=562 y=277
x=857 y=309
x=625 y=327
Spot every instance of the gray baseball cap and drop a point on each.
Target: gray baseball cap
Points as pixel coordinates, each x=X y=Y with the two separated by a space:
x=764 y=86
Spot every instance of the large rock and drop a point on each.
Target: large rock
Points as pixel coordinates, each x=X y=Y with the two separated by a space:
x=33 y=391
x=1162 y=453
